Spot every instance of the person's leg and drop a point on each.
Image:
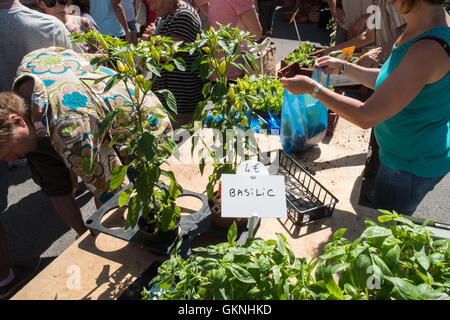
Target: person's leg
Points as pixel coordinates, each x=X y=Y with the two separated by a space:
x=263 y=15
x=271 y=13
x=400 y=190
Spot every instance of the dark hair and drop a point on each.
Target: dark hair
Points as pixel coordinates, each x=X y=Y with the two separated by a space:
x=408 y=5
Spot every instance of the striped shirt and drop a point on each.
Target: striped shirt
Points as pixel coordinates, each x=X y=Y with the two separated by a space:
x=186 y=86
x=391 y=23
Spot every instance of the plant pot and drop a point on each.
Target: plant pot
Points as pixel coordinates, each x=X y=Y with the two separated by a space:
x=159 y=240
x=294 y=69
x=332 y=122
x=216 y=210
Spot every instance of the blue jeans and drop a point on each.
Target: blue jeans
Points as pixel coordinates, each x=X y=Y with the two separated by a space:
x=401 y=191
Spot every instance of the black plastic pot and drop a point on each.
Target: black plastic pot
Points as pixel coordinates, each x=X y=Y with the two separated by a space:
x=160 y=239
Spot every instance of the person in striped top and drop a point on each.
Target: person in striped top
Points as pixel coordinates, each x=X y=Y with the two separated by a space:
x=180 y=21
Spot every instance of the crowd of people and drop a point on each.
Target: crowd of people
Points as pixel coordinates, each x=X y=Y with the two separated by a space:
x=409 y=109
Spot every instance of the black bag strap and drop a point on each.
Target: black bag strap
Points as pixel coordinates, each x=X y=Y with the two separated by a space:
x=442 y=42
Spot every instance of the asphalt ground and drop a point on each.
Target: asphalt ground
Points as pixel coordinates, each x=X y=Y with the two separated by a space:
x=33 y=228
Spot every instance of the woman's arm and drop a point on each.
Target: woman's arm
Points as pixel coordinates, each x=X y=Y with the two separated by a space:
x=365 y=76
x=360 y=41
x=251 y=22
x=394 y=94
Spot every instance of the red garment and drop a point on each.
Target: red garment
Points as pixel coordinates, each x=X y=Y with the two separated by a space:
x=151 y=14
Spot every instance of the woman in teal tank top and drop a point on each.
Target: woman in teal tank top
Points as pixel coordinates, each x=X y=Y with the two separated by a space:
x=410 y=108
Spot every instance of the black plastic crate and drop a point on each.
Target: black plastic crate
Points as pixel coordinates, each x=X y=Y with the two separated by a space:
x=307 y=200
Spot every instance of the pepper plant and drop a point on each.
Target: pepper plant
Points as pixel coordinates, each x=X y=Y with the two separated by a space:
x=142 y=148
x=232 y=101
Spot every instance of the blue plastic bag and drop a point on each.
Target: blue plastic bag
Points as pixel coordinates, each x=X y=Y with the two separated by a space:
x=303 y=121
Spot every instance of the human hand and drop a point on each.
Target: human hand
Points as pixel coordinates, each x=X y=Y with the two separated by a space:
x=128 y=37
x=148 y=32
x=330 y=65
x=320 y=53
x=338 y=15
x=370 y=59
x=298 y=84
x=203 y=5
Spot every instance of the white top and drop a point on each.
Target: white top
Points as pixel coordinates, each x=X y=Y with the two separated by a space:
x=354 y=9
x=23 y=30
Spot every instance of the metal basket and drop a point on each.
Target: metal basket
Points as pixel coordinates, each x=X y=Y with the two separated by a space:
x=307 y=199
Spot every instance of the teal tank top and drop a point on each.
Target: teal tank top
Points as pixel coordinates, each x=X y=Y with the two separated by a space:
x=417 y=139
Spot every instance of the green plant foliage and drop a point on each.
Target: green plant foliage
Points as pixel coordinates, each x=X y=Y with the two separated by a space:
x=146 y=148
x=269 y=91
x=395 y=259
x=302 y=55
x=258 y=269
x=219 y=50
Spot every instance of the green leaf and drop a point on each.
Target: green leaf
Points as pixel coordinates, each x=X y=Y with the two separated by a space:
x=232 y=233
x=421 y=256
x=281 y=244
x=384 y=219
x=169 y=67
x=376 y=232
x=112 y=82
x=334 y=289
x=117 y=176
x=124 y=196
x=170 y=99
x=133 y=213
x=391 y=256
x=339 y=234
x=276 y=274
x=406 y=290
x=180 y=64
x=241 y=274
x=148 y=145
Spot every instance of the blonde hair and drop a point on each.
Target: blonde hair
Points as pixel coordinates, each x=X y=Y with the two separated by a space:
x=10 y=103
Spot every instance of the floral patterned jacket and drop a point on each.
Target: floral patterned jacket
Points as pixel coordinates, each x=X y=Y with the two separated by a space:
x=68 y=107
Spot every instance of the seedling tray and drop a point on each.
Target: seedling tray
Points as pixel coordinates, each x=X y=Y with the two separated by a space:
x=307 y=200
x=192 y=226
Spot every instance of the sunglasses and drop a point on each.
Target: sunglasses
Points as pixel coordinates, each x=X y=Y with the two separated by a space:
x=52 y=3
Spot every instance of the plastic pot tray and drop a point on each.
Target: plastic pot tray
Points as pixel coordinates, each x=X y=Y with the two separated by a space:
x=192 y=226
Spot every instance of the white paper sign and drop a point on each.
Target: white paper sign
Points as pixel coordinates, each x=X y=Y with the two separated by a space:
x=246 y=196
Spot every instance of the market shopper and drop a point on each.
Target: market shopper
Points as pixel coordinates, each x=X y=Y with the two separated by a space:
x=73 y=23
x=351 y=18
x=23 y=30
x=52 y=108
x=83 y=10
x=238 y=14
x=391 y=26
x=180 y=21
x=266 y=10
x=410 y=108
x=110 y=18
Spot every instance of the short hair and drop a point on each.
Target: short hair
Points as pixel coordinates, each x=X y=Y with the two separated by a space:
x=10 y=103
x=408 y=5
